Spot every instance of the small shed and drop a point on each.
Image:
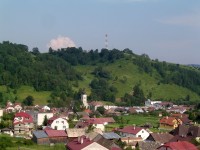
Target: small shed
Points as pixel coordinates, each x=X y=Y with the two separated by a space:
x=57 y=136
x=111 y=136
x=40 y=137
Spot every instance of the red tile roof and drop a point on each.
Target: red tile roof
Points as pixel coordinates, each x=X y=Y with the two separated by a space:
x=50 y=120
x=24 y=118
x=22 y=114
x=47 y=128
x=76 y=145
x=100 y=120
x=130 y=130
x=56 y=133
x=167 y=120
x=180 y=145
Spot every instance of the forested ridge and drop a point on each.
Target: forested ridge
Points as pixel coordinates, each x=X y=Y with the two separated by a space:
x=56 y=71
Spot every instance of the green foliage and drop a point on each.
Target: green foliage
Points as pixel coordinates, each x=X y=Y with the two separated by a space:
x=101 y=110
x=28 y=101
x=119 y=71
x=101 y=90
x=99 y=72
x=45 y=122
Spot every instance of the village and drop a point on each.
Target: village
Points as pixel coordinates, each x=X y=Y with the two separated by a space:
x=106 y=131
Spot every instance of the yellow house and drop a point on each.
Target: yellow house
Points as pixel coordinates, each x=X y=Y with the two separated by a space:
x=169 y=122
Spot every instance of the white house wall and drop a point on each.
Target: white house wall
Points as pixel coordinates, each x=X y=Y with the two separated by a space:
x=40 y=117
x=59 y=124
x=94 y=146
x=143 y=133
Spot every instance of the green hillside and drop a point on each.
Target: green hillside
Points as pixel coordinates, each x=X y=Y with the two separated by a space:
x=128 y=75
x=40 y=97
x=61 y=76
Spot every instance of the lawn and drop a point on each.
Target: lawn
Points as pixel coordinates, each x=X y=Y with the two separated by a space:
x=39 y=147
x=138 y=120
x=21 y=93
x=40 y=97
x=13 y=143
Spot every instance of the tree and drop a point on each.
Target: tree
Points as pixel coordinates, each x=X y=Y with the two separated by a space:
x=101 y=110
x=35 y=51
x=45 y=122
x=28 y=101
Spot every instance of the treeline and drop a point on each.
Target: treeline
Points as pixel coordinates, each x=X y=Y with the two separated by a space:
x=77 y=56
x=19 y=67
x=170 y=73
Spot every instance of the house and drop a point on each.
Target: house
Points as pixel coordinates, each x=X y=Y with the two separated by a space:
x=180 y=145
x=133 y=131
x=177 y=109
x=40 y=137
x=57 y=136
x=7 y=131
x=160 y=137
x=169 y=123
x=109 y=144
x=135 y=110
x=58 y=123
x=75 y=132
x=17 y=107
x=131 y=141
x=41 y=115
x=111 y=136
x=149 y=145
x=95 y=104
x=83 y=143
x=183 y=117
x=23 y=123
x=150 y=103
x=1 y=113
x=10 y=107
x=185 y=133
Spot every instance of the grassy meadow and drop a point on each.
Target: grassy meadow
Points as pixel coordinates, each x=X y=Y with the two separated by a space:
x=125 y=75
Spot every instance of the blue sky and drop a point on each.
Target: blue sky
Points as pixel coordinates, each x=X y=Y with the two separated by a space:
x=165 y=29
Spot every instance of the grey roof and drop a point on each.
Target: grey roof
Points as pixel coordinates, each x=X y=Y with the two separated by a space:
x=111 y=135
x=40 y=134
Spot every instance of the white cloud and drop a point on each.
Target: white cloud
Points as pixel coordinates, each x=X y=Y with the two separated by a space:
x=192 y=20
x=61 y=42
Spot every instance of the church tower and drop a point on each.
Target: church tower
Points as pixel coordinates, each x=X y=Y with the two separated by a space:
x=84 y=100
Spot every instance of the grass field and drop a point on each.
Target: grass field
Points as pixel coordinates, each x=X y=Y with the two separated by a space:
x=138 y=120
x=13 y=143
x=40 y=97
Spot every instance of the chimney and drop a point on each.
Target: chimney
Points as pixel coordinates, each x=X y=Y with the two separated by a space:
x=81 y=140
x=133 y=126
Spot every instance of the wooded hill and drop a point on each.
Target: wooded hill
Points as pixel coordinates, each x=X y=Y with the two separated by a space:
x=110 y=75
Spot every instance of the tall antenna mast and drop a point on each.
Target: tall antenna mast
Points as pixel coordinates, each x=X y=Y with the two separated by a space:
x=106 y=41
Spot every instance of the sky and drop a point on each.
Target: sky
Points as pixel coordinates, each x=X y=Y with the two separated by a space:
x=167 y=30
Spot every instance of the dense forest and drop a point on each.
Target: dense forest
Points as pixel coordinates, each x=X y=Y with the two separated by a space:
x=55 y=71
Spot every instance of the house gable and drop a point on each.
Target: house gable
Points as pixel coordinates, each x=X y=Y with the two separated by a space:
x=94 y=146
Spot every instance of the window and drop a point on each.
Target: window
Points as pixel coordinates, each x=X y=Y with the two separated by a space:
x=62 y=122
x=64 y=127
x=55 y=127
x=142 y=131
x=57 y=121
